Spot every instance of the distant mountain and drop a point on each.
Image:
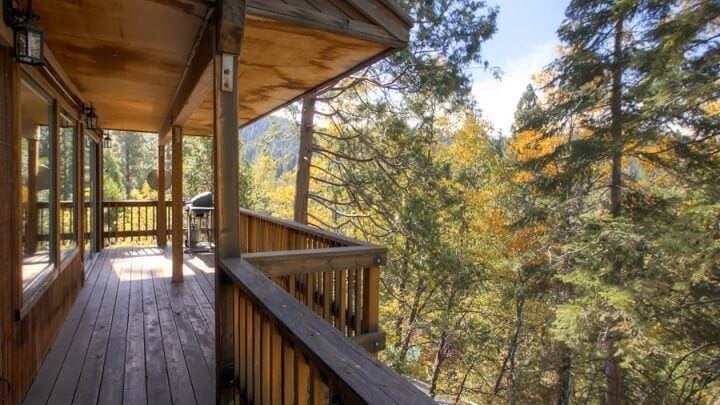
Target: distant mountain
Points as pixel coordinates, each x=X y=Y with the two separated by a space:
x=278 y=136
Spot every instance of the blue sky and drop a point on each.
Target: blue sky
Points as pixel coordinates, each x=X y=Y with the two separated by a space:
x=524 y=43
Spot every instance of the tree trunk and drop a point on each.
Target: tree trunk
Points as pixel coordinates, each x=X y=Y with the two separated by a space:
x=412 y=317
x=616 y=124
x=508 y=365
x=128 y=186
x=564 y=386
x=302 y=181
x=458 y=396
x=612 y=370
x=440 y=356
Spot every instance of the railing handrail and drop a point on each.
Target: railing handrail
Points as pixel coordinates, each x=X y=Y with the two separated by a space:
x=131 y=203
x=335 y=237
x=289 y=262
x=358 y=377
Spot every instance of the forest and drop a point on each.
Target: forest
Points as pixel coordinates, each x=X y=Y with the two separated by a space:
x=573 y=260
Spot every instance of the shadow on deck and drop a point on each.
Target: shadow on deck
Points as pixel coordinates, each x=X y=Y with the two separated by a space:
x=133 y=336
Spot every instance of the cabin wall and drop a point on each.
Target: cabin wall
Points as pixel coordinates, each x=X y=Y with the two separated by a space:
x=23 y=343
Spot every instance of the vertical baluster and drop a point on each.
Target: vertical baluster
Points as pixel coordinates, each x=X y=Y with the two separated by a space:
x=276 y=367
x=257 y=379
x=340 y=297
x=358 y=302
x=302 y=375
x=317 y=388
x=327 y=296
x=351 y=301
x=250 y=370
x=266 y=346
x=240 y=343
x=288 y=376
x=145 y=227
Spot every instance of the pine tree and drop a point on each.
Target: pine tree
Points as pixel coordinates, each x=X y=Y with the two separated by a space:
x=629 y=105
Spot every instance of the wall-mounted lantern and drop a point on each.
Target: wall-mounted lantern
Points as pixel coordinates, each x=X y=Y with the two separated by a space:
x=29 y=39
x=107 y=140
x=91 y=118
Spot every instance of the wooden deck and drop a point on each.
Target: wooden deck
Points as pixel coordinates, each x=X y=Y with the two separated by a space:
x=133 y=336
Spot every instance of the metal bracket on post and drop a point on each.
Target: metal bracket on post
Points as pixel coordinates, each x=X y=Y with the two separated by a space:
x=228 y=73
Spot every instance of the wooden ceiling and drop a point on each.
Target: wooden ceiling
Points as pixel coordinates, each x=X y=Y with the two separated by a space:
x=130 y=57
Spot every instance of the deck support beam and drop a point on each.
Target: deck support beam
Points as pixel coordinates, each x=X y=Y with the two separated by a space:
x=177 y=205
x=161 y=215
x=195 y=83
x=228 y=41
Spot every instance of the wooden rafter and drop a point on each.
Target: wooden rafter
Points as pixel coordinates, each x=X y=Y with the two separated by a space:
x=307 y=17
x=383 y=17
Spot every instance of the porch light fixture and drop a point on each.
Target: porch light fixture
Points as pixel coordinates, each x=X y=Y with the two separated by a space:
x=107 y=140
x=91 y=117
x=29 y=39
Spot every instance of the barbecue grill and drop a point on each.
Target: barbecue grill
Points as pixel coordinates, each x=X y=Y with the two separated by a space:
x=198 y=212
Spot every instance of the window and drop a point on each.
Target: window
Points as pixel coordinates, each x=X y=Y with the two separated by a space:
x=37 y=183
x=67 y=183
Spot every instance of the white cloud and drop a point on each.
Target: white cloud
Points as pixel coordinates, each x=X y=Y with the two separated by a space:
x=498 y=98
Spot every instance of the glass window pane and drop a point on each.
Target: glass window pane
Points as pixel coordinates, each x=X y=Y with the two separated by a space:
x=37 y=183
x=67 y=184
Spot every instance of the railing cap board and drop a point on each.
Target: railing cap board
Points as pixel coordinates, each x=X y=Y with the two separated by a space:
x=358 y=374
x=287 y=262
x=130 y=203
x=305 y=228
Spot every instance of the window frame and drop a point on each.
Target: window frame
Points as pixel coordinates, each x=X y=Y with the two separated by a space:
x=29 y=291
x=76 y=184
x=39 y=82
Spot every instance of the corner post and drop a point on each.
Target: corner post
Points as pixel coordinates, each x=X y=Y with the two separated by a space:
x=161 y=214
x=230 y=19
x=177 y=205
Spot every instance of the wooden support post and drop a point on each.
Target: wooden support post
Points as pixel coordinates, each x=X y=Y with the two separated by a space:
x=161 y=214
x=177 y=205
x=302 y=181
x=31 y=224
x=371 y=299
x=99 y=196
x=227 y=218
x=230 y=20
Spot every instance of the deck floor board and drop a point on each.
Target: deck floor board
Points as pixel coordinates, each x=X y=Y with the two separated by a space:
x=133 y=336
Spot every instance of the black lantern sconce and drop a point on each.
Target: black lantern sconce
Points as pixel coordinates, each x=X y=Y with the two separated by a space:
x=107 y=141
x=91 y=118
x=29 y=39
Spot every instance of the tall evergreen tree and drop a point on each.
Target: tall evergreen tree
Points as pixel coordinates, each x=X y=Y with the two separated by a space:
x=629 y=108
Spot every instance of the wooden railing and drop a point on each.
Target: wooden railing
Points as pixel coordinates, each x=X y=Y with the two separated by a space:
x=133 y=220
x=67 y=213
x=336 y=277
x=284 y=353
x=125 y=221
x=304 y=316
